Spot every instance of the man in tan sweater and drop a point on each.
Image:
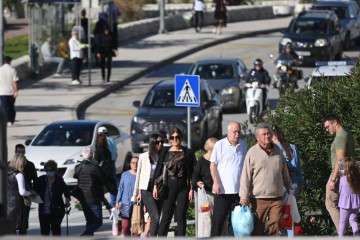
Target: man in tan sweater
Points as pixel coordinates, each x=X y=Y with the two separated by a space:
x=262 y=180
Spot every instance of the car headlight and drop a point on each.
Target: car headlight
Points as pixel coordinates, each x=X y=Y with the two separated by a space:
x=139 y=120
x=284 y=41
x=321 y=42
x=231 y=90
x=69 y=162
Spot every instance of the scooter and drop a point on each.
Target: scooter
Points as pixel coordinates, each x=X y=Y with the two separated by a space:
x=254 y=100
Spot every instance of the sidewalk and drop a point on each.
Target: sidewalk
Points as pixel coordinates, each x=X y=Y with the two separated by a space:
x=51 y=99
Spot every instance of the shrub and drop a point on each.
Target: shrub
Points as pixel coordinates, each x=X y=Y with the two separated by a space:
x=130 y=10
x=300 y=115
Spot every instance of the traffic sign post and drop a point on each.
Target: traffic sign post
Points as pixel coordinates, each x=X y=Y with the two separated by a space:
x=187 y=94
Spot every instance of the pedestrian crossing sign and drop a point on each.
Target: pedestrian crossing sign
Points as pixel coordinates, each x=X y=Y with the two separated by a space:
x=187 y=90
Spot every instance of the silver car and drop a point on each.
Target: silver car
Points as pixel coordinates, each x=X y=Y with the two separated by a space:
x=226 y=76
x=63 y=142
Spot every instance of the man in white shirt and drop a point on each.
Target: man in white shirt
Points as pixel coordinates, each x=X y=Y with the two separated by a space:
x=227 y=160
x=76 y=55
x=48 y=53
x=8 y=89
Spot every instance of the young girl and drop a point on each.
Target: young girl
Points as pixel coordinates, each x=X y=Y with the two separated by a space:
x=349 y=189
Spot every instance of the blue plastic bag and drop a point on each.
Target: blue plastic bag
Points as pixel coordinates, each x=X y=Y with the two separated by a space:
x=242 y=220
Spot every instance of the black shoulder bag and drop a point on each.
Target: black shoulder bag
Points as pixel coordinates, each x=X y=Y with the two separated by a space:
x=162 y=187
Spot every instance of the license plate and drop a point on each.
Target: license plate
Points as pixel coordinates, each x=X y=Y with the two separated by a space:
x=303 y=53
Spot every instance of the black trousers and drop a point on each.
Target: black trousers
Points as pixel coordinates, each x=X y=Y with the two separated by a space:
x=76 y=68
x=199 y=19
x=108 y=61
x=178 y=194
x=7 y=102
x=153 y=207
x=50 y=222
x=223 y=205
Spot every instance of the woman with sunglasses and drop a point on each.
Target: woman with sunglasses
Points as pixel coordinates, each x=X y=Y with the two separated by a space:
x=179 y=165
x=145 y=182
x=51 y=188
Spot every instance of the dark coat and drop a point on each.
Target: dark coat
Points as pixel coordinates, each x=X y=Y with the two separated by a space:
x=190 y=163
x=30 y=174
x=58 y=189
x=17 y=214
x=91 y=180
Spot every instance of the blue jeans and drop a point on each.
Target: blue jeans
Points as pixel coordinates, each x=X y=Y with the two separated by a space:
x=93 y=216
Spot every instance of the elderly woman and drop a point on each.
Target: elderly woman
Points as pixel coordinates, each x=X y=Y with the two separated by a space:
x=17 y=213
x=202 y=179
x=51 y=188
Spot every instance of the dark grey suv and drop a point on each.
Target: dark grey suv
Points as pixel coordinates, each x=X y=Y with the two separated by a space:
x=158 y=114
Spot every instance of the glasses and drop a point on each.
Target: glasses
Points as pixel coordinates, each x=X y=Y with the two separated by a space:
x=328 y=126
x=160 y=141
x=235 y=132
x=174 y=137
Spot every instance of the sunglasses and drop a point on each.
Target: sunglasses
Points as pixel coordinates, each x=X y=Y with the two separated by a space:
x=174 y=137
x=161 y=141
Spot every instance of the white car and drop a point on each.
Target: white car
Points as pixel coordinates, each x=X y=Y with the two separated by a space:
x=63 y=142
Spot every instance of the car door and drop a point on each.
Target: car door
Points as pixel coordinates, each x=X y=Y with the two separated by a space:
x=354 y=14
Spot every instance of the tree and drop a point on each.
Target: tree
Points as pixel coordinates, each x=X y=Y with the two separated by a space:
x=300 y=114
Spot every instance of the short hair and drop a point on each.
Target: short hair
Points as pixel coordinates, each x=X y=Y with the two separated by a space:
x=209 y=144
x=261 y=125
x=87 y=153
x=51 y=164
x=7 y=59
x=18 y=162
x=332 y=117
x=19 y=146
x=231 y=123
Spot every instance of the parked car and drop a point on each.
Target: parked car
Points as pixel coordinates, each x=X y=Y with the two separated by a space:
x=227 y=76
x=325 y=70
x=348 y=14
x=63 y=142
x=315 y=36
x=158 y=114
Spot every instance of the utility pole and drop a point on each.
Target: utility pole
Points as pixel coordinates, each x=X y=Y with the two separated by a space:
x=2 y=33
x=162 y=28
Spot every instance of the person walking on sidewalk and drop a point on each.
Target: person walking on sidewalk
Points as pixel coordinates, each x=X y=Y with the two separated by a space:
x=220 y=16
x=263 y=180
x=105 y=52
x=342 y=146
x=8 y=90
x=349 y=201
x=227 y=161
x=199 y=7
x=76 y=55
x=48 y=53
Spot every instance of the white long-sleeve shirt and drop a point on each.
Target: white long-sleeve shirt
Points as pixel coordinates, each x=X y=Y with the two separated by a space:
x=21 y=185
x=75 y=49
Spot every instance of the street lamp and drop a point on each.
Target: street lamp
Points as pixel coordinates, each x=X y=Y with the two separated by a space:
x=162 y=28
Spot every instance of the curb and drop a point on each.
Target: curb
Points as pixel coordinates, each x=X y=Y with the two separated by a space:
x=82 y=106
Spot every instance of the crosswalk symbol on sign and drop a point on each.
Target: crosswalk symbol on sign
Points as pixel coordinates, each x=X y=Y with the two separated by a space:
x=187 y=90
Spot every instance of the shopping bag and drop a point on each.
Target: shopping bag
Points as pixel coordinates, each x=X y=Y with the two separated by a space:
x=242 y=220
x=114 y=216
x=137 y=219
x=287 y=221
x=294 y=209
x=205 y=204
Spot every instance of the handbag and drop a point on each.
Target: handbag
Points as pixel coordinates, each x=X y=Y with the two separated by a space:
x=125 y=210
x=27 y=201
x=242 y=220
x=137 y=219
x=162 y=187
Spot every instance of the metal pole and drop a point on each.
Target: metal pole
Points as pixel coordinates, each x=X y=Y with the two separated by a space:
x=2 y=33
x=89 y=42
x=162 y=28
x=189 y=127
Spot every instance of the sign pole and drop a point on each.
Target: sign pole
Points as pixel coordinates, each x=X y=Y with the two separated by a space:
x=189 y=127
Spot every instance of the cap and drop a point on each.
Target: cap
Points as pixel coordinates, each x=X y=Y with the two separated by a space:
x=102 y=130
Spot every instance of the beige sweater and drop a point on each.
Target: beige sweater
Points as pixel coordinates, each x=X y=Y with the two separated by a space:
x=264 y=176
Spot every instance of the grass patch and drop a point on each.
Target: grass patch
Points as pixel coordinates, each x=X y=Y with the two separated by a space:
x=17 y=47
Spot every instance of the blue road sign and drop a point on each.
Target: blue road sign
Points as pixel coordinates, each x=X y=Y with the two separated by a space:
x=187 y=90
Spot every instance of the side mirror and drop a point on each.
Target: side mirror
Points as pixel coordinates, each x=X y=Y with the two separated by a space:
x=27 y=142
x=136 y=104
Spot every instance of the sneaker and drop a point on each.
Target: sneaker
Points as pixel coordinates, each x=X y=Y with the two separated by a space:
x=75 y=82
x=9 y=124
x=214 y=30
x=58 y=75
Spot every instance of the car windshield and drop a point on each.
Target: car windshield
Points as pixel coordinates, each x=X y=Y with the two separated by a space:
x=310 y=27
x=160 y=98
x=214 y=71
x=65 y=136
x=340 y=11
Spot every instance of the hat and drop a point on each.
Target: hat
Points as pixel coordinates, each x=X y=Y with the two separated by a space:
x=102 y=130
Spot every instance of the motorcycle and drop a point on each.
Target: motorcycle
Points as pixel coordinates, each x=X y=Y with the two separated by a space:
x=286 y=74
x=254 y=100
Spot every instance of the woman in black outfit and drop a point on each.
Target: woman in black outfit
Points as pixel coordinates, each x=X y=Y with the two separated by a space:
x=51 y=188
x=105 y=52
x=179 y=162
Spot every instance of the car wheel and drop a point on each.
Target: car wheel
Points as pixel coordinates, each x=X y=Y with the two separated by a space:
x=240 y=105
x=331 y=57
x=252 y=114
x=219 y=130
x=339 y=55
x=346 y=44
